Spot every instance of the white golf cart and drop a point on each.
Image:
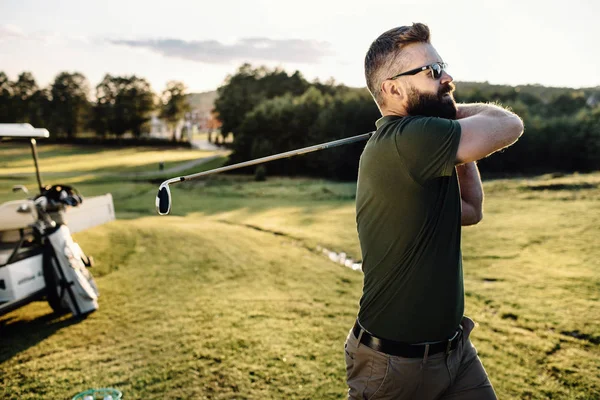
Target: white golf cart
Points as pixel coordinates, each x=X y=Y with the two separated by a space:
x=38 y=258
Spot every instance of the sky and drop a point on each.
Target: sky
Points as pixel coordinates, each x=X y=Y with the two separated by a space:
x=552 y=43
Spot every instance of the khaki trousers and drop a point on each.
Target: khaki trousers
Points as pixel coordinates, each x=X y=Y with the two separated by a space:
x=458 y=374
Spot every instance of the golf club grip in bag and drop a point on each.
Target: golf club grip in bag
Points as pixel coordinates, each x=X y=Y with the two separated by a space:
x=62 y=194
x=69 y=283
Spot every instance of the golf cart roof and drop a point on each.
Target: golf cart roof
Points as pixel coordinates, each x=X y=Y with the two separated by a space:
x=22 y=131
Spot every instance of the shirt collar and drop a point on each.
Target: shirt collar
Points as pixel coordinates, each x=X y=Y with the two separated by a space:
x=384 y=120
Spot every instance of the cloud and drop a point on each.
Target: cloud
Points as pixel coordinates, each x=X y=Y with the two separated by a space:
x=10 y=32
x=14 y=33
x=214 y=52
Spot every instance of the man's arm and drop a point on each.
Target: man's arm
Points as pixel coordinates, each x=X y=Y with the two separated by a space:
x=471 y=193
x=485 y=129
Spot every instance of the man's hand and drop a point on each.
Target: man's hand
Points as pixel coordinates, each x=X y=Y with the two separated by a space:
x=471 y=193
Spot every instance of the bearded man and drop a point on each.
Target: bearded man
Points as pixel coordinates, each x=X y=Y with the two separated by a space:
x=417 y=184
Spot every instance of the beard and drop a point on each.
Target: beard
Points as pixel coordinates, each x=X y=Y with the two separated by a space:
x=440 y=104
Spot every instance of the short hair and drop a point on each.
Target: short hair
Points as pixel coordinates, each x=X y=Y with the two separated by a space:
x=385 y=53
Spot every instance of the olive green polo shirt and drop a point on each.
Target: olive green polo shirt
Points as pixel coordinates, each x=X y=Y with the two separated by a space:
x=408 y=212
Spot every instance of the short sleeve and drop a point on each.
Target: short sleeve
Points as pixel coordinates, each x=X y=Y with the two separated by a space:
x=428 y=147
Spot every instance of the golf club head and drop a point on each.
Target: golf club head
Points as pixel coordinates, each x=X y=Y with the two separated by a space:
x=163 y=199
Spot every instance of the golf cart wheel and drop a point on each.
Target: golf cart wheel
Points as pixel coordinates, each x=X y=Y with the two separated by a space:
x=52 y=295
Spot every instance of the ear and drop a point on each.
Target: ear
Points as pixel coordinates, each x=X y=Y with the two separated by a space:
x=392 y=89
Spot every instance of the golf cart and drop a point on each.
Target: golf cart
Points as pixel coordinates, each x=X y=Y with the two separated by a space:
x=38 y=257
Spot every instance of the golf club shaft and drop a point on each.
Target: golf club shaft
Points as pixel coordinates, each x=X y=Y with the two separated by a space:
x=310 y=149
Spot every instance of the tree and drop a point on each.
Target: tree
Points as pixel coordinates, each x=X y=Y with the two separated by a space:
x=106 y=94
x=24 y=90
x=122 y=104
x=40 y=109
x=278 y=82
x=330 y=87
x=281 y=124
x=174 y=105
x=236 y=97
x=289 y=122
x=6 y=99
x=70 y=92
x=248 y=87
x=589 y=133
x=351 y=112
x=139 y=98
x=567 y=104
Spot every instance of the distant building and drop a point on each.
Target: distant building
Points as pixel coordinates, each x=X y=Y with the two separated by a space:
x=200 y=118
x=159 y=129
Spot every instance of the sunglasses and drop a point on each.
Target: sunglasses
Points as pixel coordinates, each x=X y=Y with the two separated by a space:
x=436 y=70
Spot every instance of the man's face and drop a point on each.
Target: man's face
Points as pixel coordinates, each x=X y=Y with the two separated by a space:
x=424 y=94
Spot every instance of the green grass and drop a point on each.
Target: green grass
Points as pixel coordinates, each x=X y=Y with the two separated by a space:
x=228 y=298
x=67 y=160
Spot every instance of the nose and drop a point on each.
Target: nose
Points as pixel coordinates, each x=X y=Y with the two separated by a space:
x=446 y=78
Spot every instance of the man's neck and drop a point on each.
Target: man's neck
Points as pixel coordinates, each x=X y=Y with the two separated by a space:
x=394 y=111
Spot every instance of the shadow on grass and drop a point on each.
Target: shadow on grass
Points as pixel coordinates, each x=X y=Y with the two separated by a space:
x=17 y=336
x=562 y=186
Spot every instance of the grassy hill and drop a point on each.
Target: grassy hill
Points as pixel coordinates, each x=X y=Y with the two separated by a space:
x=229 y=297
x=204 y=102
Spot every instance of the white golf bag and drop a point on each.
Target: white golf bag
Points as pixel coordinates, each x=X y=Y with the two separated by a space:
x=70 y=284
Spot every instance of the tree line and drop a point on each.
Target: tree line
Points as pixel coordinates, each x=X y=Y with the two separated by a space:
x=122 y=104
x=271 y=111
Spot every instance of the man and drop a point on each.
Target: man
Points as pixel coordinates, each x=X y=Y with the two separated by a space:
x=417 y=184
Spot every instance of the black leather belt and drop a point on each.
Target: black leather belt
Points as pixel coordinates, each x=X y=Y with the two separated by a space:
x=404 y=349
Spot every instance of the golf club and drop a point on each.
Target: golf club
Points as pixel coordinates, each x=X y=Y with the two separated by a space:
x=163 y=198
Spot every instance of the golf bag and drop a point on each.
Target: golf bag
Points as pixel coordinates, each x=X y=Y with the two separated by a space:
x=70 y=285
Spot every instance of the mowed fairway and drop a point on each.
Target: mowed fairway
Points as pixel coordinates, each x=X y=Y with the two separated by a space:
x=229 y=298
x=64 y=160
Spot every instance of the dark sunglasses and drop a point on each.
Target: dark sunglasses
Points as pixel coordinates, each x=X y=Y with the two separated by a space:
x=436 y=70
